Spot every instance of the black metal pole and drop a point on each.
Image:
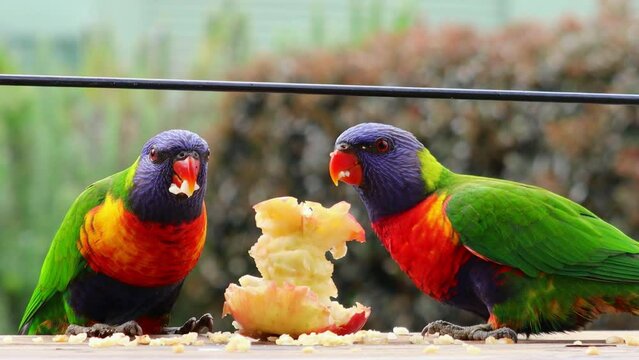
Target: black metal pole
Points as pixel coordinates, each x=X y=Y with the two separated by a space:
x=319 y=89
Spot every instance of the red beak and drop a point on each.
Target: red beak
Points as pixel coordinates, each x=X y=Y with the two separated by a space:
x=344 y=166
x=185 y=177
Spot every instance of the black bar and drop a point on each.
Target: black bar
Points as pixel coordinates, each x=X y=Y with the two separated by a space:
x=319 y=89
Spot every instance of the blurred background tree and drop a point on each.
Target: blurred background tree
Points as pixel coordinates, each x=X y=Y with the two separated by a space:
x=54 y=142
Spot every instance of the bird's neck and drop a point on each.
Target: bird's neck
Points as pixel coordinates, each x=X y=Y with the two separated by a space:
x=395 y=193
x=157 y=207
x=152 y=203
x=433 y=172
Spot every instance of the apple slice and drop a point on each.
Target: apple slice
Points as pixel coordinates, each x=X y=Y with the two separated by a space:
x=293 y=296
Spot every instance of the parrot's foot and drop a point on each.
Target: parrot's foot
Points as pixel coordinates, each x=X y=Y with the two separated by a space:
x=201 y=325
x=129 y=328
x=475 y=332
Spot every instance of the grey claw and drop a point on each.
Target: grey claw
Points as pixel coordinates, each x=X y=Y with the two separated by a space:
x=476 y=332
x=204 y=324
x=129 y=328
x=187 y=327
x=436 y=326
x=503 y=333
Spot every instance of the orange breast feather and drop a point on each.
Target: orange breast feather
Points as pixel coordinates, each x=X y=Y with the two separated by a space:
x=116 y=243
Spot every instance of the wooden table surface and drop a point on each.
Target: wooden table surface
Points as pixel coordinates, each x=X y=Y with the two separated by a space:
x=537 y=347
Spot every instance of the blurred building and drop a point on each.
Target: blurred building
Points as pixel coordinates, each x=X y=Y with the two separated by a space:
x=33 y=29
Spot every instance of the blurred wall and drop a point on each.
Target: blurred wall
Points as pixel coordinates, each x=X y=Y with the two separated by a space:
x=272 y=25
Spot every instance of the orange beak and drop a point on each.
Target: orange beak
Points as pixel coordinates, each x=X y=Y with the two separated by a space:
x=344 y=166
x=185 y=176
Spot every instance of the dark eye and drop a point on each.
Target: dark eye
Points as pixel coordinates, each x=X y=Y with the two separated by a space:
x=207 y=154
x=153 y=154
x=382 y=145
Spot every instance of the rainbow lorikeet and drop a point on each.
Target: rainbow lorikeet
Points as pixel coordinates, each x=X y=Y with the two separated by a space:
x=120 y=256
x=524 y=258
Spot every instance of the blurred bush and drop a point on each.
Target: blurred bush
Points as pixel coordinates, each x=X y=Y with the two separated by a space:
x=270 y=145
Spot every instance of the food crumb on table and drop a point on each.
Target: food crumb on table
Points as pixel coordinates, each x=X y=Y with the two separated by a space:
x=308 y=350
x=430 y=349
x=592 y=350
x=77 y=339
x=400 y=330
x=238 y=343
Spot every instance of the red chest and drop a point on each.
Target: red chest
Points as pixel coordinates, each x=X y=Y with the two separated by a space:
x=424 y=244
x=116 y=243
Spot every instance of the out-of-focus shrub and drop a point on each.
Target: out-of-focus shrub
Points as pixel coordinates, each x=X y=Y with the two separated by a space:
x=274 y=144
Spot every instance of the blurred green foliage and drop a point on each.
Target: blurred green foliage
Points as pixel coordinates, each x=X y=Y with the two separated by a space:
x=54 y=141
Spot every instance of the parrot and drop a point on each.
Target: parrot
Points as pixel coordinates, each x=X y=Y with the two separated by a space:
x=125 y=246
x=523 y=258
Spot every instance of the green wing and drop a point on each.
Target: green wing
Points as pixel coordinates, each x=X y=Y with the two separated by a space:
x=63 y=261
x=536 y=231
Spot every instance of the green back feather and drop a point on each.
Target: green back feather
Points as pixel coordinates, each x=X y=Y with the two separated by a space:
x=535 y=230
x=64 y=261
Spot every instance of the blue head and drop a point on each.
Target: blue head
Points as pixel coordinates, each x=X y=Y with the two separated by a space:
x=382 y=162
x=170 y=179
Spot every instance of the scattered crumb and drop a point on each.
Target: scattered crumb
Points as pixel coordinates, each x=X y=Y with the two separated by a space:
x=327 y=338
x=577 y=342
x=219 y=337
x=7 y=339
x=120 y=339
x=188 y=339
x=170 y=341
x=459 y=342
x=155 y=342
x=431 y=349
x=198 y=343
x=370 y=337
x=505 y=341
x=308 y=339
x=270 y=338
x=60 y=338
x=95 y=342
x=77 y=339
x=391 y=336
x=491 y=340
x=615 y=340
x=286 y=339
x=236 y=325
x=132 y=343
x=308 y=350
x=37 y=339
x=143 y=340
x=178 y=348
x=113 y=340
x=417 y=339
x=238 y=343
x=444 y=340
x=400 y=330
x=474 y=350
x=592 y=350
x=632 y=340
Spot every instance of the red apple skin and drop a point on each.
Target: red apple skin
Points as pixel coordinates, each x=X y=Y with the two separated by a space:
x=355 y=323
